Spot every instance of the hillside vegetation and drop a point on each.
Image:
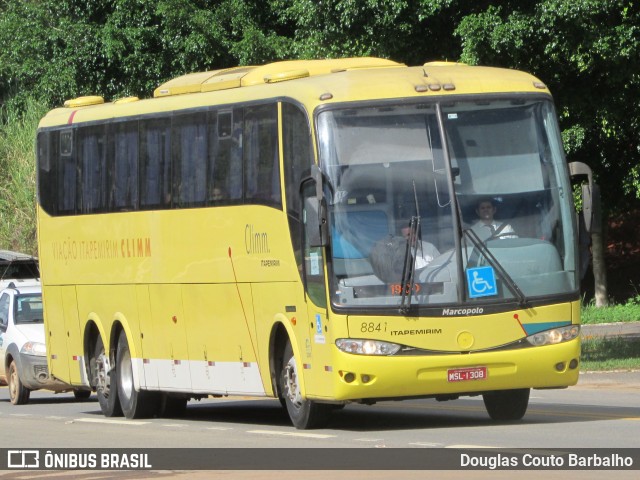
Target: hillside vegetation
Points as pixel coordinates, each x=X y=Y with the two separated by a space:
x=18 y=178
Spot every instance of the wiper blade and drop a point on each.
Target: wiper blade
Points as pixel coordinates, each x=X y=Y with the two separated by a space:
x=409 y=269
x=493 y=261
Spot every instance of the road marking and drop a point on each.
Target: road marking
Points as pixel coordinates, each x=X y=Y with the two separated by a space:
x=175 y=425
x=109 y=421
x=426 y=444
x=218 y=428
x=368 y=439
x=291 y=434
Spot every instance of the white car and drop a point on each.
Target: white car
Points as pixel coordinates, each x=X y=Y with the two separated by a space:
x=18 y=268
x=23 y=365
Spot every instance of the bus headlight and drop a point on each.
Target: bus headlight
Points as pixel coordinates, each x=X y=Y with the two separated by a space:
x=366 y=347
x=34 y=348
x=554 y=336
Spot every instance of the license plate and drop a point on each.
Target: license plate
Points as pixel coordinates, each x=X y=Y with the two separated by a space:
x=466 y=374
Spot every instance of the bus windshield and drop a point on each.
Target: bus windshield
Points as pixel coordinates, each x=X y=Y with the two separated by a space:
x=434 y=205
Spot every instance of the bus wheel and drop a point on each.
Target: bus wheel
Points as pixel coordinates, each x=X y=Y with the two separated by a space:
x=135 y=404
x=507 y=405
x=18 y=393
x=303 y=413
x=104 y=379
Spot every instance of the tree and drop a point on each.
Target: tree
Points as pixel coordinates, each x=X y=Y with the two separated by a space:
x=588 y=52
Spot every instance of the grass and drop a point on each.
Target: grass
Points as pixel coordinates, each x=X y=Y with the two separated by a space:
x=605 y=354
x=627 y=312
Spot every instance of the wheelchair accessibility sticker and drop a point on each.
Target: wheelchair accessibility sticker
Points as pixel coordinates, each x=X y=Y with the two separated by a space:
x=481 y=282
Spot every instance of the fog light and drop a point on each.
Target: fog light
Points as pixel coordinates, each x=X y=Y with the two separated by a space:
x=560 y=366
x=366 y=378
x=573 y=364
x=349 y=377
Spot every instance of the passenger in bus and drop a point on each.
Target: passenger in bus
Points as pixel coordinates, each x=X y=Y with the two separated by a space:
x=217 y=195
x=387 y=256
x=487 y=227
x=425 y=251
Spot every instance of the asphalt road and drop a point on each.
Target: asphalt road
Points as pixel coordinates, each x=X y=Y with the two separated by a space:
x=602 y=411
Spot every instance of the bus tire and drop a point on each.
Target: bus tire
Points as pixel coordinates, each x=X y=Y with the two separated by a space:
x=134 y=403
x=304 y=414
x=18 y=393
x=104 y=379
x=507 y=405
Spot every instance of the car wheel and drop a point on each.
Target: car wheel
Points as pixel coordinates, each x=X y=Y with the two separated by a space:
x=18 y=393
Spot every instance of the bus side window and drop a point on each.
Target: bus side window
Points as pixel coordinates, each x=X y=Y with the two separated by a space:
x=92 y=164
x=123 y=148
x=261 y=163
x=189 y=159
x=155 y=163
x=67 y=173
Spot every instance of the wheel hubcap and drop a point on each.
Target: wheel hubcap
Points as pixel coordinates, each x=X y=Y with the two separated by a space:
x=13 y=384
x=126 y=375
x=103 y=383
x=292 y=389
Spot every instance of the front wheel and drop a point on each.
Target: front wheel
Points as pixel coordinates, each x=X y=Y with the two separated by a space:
x=18 y=393
x=507 y=405
x=135 y=404
x=303 y=413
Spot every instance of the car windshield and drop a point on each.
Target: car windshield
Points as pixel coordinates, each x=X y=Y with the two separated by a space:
x=415 y=217
x=19 y=269
x=28 y=309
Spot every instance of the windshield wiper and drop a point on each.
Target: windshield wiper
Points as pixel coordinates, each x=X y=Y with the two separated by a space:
x=409 y=268
x=493 y=261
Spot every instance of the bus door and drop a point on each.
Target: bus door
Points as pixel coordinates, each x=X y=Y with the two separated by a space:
x=316 y=353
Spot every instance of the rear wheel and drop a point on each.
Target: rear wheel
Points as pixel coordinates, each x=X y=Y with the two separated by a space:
x=507 y=405
x=18 y=393
x=134 y=403
x=102 y=368
x=304 y=413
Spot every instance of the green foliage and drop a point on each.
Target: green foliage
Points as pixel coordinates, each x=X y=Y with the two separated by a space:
x=627 y=312
x=17 y=182
x=588 y=52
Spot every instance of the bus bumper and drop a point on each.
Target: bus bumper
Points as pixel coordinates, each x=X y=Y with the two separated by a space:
x=359 y=377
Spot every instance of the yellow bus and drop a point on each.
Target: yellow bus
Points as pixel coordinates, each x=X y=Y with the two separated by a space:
x=322 y=232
